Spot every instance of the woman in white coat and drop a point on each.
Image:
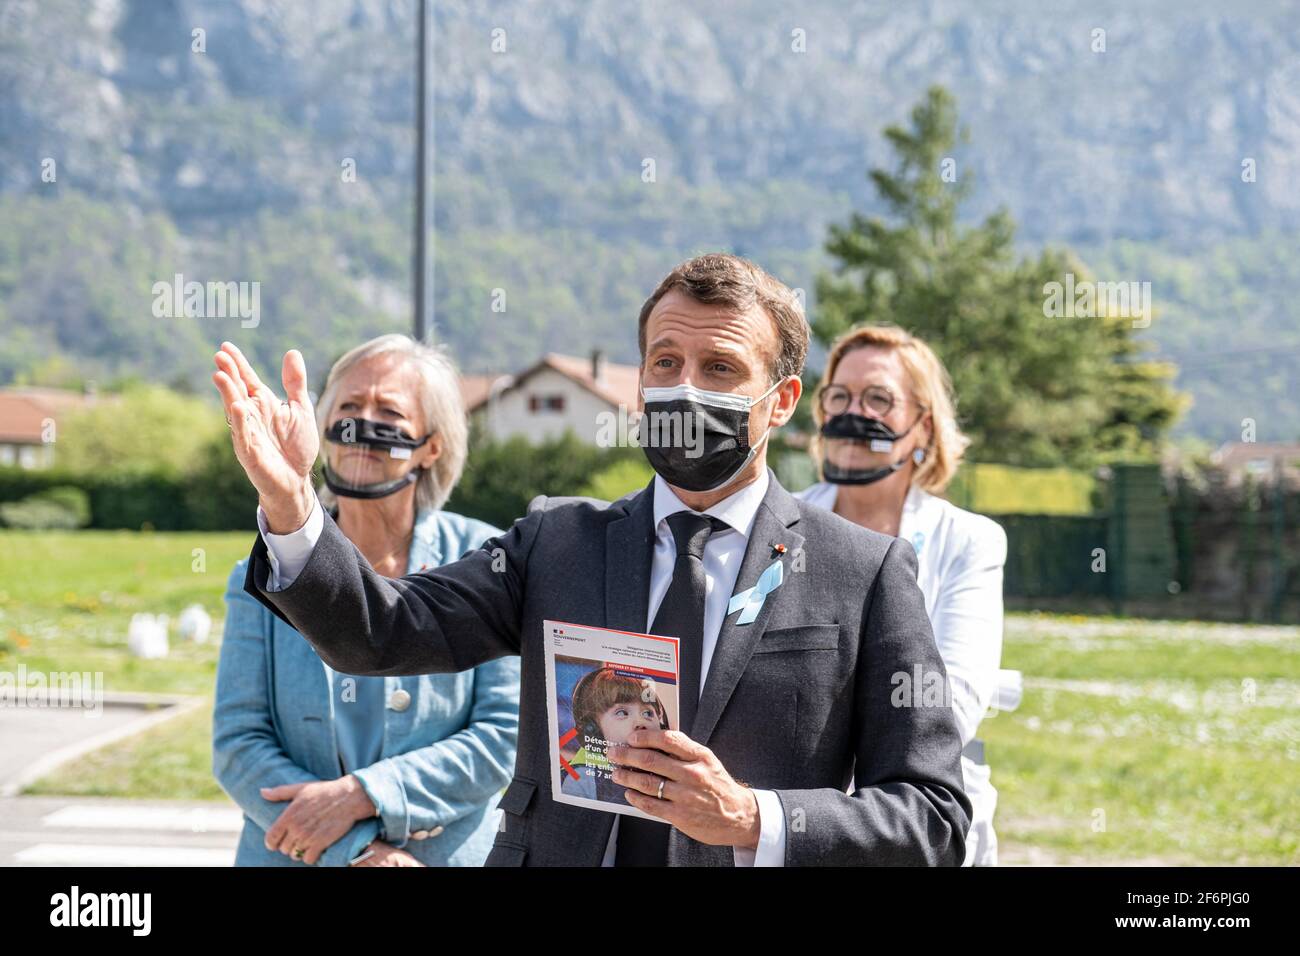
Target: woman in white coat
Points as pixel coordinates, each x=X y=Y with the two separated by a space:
x=887 y=445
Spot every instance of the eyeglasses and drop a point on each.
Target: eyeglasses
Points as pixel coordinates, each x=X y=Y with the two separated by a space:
x=836 y=399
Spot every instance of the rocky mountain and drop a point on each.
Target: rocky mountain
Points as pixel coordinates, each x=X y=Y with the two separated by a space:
x=580 y=148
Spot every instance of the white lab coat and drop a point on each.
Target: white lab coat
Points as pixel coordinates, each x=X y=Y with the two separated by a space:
x=960 y=556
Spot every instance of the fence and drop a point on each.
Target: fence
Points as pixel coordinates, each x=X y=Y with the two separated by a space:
x=1211 y=550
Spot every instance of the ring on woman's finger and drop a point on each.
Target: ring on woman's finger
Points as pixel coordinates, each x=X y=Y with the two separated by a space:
x=661 y=788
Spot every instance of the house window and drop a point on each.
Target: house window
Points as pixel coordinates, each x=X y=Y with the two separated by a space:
x=545 y=403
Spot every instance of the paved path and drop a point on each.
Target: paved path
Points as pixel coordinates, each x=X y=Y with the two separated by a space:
x=29 y=734
x=101 y=831
x=36 y=740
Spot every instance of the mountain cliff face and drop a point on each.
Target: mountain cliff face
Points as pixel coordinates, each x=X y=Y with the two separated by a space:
x=1144 y=140
x=216 y=137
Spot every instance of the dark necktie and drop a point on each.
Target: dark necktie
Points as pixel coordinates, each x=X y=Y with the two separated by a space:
x=680 y=615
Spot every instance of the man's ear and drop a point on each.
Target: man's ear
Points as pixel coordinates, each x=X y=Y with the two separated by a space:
x=787 y=399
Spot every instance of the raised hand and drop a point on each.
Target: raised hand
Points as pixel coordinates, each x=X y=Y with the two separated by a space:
x=275 y=441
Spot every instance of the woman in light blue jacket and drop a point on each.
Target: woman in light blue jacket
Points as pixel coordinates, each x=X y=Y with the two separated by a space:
x=334 y=769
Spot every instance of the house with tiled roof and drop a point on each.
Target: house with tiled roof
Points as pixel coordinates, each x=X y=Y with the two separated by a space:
x=558 y=393
x=29 y=419
x=1262 y=461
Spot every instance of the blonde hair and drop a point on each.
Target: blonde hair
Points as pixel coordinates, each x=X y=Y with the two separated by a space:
x=931 y=388
x=440 y=402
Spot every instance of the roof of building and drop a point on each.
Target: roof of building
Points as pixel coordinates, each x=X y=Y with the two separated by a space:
x=474 y=389
x=617 y=385
x=1239 y=454
x=23 y=411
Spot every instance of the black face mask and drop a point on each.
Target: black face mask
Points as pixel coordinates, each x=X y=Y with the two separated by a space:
x=697 y=440
x=362 y=431
x=872 y=431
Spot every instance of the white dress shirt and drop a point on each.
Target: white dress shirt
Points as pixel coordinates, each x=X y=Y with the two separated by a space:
x=960 y=557
x=723 y=554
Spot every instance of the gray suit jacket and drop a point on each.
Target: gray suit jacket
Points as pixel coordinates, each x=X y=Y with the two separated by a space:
x=803 y=701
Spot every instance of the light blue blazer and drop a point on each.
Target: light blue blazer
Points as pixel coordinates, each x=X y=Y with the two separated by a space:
x=448 y=749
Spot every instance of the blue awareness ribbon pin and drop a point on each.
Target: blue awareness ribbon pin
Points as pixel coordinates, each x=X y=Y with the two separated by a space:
x=751 y=599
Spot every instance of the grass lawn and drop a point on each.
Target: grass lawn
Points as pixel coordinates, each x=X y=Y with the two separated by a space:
x=1137 y=741
x=1149 y=742
x=66 y=600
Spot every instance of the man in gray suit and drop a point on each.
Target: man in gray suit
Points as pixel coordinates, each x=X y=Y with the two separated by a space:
x=801 y=633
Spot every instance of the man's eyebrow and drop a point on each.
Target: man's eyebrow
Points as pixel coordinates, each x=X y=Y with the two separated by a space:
x=728 y=350
x=732 y=354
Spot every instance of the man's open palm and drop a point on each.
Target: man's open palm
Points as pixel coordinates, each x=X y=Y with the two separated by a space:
x=275 y=441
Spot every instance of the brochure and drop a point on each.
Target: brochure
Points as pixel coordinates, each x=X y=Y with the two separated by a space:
x=601 y=685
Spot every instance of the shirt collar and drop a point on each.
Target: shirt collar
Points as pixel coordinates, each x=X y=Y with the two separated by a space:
x=737 y=510
x=917 y=513
x=918 y=517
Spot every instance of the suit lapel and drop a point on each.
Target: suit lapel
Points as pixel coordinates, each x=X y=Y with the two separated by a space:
x=736 y=642
x=629 y=547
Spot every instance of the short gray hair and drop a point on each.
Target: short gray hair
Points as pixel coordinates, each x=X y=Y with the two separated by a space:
x=439 y=400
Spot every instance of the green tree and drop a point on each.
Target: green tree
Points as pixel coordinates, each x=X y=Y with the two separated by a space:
x=502 y=477
x=1031 y=390
x=144 y=428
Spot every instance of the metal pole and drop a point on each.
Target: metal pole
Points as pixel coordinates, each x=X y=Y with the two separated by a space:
x=423 y=304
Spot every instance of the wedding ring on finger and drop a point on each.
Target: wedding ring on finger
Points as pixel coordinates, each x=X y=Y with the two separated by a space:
x=661 y=788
